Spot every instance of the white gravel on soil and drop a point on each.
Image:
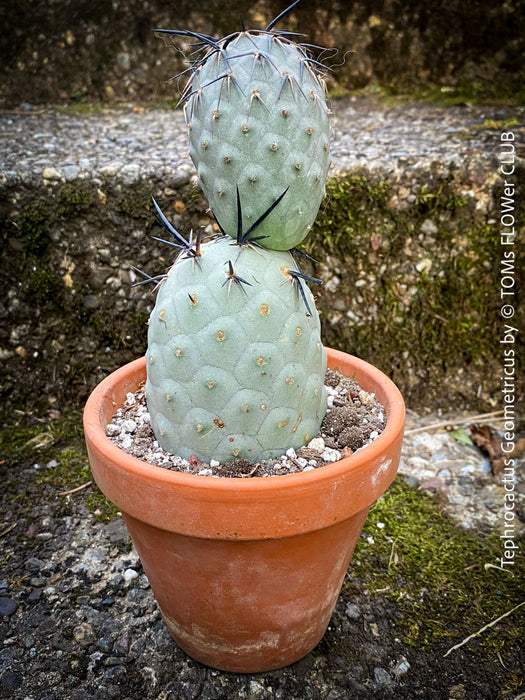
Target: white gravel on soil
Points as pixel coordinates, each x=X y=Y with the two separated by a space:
x=130 y=429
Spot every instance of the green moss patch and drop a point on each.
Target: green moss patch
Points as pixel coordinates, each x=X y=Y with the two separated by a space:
x=136 y=201
x=75 y=198
x=32 y=227
x=508 y=95
x=43 y=285
x=59 y=440
x=39 y=283
x=434 y=572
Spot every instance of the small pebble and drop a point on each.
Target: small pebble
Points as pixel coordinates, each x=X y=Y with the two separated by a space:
x=52 y=174
x=366 y=398
x=127 y=442
x=316 y=444
x=7 y=607
x=352 y=611
x=467 y=470
x=129 y=426
x=84 y=634
x=130 y=575
x=401 y=667
x=382 y=677
x=34 y=564
x=330 y=455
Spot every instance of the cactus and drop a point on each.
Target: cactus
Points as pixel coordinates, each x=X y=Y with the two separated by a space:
x=258 y=121
x=235 y=363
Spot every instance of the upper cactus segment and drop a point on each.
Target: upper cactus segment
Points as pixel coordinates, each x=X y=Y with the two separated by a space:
x=258 y=121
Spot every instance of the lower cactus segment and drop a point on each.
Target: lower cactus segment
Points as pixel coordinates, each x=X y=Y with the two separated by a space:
x=235 y=361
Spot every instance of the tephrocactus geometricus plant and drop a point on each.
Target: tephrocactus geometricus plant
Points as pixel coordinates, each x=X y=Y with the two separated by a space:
x=235 y=363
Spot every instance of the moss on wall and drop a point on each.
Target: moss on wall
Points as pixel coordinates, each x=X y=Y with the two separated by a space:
x=412 y=284
x=74 y=199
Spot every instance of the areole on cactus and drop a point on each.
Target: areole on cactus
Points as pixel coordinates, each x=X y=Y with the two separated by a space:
x=235 y=363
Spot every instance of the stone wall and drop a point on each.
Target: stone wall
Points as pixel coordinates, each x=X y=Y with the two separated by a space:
x=409 y=266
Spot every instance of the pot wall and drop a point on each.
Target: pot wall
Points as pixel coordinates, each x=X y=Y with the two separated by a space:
x=247 y=606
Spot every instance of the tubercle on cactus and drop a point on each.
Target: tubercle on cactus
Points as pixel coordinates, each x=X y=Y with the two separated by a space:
x=288 y=79
x=256 y=95
x=227 y=77
x=258 y=59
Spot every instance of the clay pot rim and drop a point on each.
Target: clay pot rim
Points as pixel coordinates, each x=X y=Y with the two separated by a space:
x=95 y=419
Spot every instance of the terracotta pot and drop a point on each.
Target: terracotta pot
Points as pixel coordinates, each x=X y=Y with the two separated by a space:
x=246 y=572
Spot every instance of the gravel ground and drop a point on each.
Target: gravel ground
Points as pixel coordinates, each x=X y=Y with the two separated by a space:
x=79 y=621
x=133 y=144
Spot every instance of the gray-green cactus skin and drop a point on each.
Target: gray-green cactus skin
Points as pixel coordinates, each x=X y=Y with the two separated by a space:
x=235 y=364
x=258 y=121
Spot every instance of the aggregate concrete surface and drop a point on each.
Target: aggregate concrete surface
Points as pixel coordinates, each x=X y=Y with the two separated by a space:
x=133 y=144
